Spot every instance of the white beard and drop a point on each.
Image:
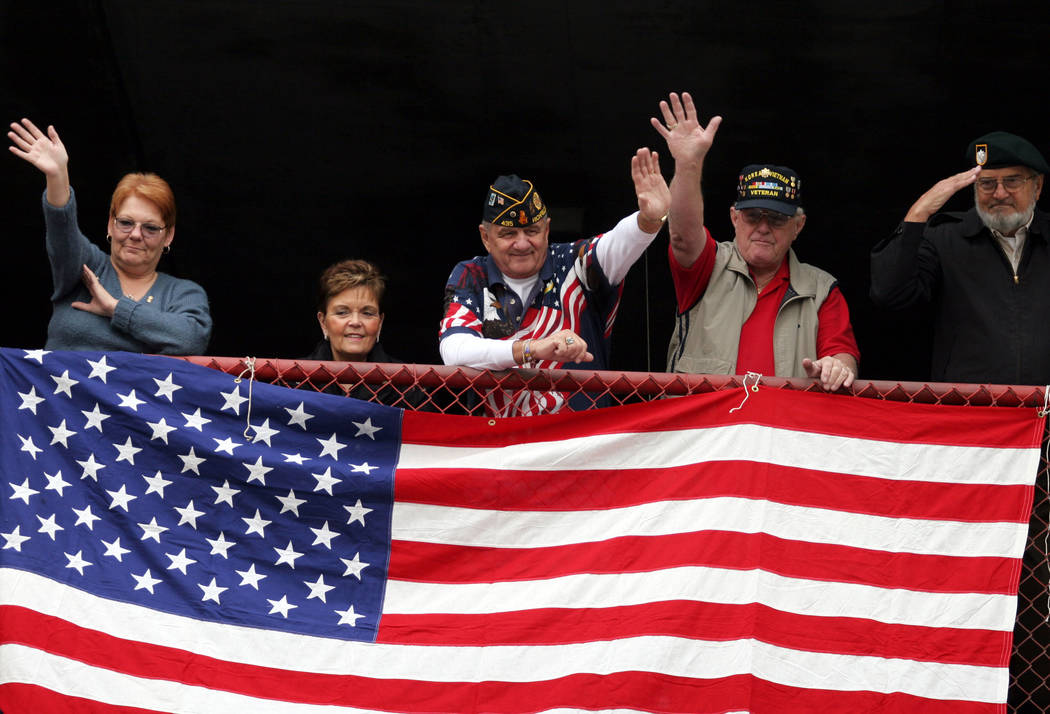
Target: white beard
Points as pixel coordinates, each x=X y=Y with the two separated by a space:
x=1006 y=223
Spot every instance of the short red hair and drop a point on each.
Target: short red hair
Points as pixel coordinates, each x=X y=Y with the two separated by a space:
x=150 y=187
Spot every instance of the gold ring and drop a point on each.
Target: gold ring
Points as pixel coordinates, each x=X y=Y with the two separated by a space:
x=672 y=124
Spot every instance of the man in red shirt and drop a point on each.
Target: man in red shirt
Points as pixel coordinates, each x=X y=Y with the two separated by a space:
x=748 y=305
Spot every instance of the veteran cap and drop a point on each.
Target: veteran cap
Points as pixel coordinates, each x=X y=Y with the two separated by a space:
x=777 y=188
x=1000 y=149
x=512 y=201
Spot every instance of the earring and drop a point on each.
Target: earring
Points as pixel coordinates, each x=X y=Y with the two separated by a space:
x=167 y=248
x=108 y=238
x=326 y=336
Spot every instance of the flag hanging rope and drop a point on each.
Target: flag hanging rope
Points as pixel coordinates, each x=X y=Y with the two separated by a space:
x=754 y=388
x=249 y=368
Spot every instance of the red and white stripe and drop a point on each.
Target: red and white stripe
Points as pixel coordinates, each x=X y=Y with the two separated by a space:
x=460 y=316
x=540 y=322
x=805 y=553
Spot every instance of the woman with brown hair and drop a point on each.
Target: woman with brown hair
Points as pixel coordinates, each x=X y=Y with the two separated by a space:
x=349 y=311
x=118 y=301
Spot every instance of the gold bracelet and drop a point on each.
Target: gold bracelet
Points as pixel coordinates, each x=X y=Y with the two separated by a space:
x=662 y=221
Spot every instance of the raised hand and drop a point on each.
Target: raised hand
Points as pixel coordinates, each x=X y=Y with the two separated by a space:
x=654 y=197
x=686 y=138
x=45 y=151
x=688 y=141
x=932 y=201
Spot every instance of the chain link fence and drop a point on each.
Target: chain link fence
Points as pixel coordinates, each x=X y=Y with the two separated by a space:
x=459 y=390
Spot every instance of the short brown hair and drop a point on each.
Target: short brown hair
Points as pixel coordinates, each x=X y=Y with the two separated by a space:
x=150 y=187
x=348 y=274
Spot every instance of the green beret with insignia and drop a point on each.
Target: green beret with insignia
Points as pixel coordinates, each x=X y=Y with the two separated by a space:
x=1000 y=149
x=513 y=202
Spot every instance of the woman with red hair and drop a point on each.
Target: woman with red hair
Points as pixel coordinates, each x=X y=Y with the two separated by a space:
x=117 y=301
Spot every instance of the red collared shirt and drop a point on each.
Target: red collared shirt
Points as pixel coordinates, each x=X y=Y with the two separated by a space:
x=755 y=352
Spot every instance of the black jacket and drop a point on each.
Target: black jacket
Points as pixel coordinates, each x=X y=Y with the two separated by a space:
x=990 y=326
x=405 y=397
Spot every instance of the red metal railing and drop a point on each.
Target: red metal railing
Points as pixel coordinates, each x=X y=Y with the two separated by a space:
x=461 y=390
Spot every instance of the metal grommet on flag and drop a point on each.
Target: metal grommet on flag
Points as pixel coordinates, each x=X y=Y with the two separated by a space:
x=753 y=388
x=249 y=369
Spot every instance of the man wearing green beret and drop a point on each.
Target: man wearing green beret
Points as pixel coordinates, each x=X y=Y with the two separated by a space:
x=985 y=270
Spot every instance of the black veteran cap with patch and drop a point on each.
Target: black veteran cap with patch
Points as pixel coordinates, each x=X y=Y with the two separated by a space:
x=1000 y=149
x=512 y=201
x=765 y=186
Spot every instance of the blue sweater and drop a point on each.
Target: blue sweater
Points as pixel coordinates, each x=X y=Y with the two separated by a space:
x=173 y=318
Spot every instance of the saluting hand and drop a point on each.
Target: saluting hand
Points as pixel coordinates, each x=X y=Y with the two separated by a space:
x=932 y=201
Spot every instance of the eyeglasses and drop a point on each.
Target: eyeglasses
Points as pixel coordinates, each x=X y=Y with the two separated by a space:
x=1010 y=183
x=775 y=219
x=150 y=230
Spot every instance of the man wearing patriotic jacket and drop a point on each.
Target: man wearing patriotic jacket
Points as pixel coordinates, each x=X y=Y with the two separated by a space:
x=538 y=304
x=748 y=305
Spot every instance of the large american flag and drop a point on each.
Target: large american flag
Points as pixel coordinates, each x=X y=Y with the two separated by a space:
x=175 y=539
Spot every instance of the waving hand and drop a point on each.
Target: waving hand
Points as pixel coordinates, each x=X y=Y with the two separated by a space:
x=47 y=153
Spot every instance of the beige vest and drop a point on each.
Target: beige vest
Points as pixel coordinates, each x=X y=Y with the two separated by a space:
x=707 y=337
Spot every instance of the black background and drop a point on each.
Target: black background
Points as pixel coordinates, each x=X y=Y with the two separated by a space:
x=299 y=133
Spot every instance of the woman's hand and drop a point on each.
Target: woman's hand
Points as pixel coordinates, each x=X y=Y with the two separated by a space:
x=47 y=153
x=102 y=303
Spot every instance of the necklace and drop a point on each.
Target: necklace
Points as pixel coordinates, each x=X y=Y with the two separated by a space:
x=143 y=294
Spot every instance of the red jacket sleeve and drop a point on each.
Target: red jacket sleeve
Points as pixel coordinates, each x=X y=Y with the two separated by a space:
x=835 y=333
